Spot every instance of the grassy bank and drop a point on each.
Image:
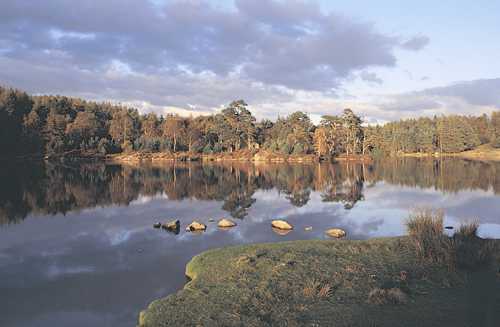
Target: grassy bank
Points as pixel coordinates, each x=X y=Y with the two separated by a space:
x=388 y=281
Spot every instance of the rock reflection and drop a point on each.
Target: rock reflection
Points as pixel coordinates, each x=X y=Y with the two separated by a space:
x=280 y=231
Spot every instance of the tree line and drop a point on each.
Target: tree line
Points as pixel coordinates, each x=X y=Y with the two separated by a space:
x=46 y=124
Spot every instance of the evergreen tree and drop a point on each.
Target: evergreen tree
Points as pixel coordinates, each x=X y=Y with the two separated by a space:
x=14 y=105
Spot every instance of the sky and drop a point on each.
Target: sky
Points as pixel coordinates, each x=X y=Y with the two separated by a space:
x=384 y=59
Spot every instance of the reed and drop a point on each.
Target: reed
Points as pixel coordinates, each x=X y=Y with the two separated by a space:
x=465 y=249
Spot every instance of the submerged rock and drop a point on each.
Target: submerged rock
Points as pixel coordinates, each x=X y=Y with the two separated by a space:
x=281 y=224
x=337 y=234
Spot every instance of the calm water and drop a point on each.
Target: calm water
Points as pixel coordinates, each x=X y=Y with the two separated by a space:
x=70 y=234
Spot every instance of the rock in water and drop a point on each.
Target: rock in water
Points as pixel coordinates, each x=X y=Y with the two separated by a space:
x=157 y=225
x=172 y=227
x=281 y=224
x=337 y=234
x=196 y=225
x=226 y=223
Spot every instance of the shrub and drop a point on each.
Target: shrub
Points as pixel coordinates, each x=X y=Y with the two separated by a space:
x=196 y=147
x=218 y=148
x=208 y=149
x=153 y=144
x=286 y=149
x=299 y=149
x=103 y=145
x=274 y=147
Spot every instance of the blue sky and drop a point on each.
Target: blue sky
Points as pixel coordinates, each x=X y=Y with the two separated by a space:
x=385 y=60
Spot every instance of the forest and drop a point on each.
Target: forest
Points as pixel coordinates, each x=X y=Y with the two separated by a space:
x=36 y=125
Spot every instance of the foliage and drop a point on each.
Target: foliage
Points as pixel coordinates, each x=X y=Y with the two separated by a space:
x=208 y=149
x=153 y=144
x=45 y=124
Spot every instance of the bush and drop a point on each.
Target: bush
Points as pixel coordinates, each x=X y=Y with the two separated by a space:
x=153 y=144
x=196 y=147
x=286 y=149
x=218 y=148
x=299 y=149
x=103 y=145
x=207 y=150
x=274 y=147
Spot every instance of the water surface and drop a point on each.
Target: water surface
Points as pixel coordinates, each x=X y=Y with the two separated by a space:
x=78 y=247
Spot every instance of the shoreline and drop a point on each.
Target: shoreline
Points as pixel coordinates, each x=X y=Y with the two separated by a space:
x=243 y=155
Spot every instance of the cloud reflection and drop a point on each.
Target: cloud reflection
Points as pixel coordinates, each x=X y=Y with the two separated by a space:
x=86 y=265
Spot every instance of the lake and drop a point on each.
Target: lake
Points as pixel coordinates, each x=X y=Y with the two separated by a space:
x=78 y=247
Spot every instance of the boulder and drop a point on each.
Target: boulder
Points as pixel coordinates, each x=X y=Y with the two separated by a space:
x=196 y=225
x=172 y=224
x=281 y=224
x=337 y=234
x=172 y=227
x=226 y=223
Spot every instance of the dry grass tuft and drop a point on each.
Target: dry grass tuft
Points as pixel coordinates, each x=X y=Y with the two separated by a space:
x=463 y=250
x=393 y=296
x=317 y=289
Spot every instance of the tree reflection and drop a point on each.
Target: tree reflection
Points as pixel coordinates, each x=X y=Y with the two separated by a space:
x=50 y=189
x=238 y=205
x=344 y=186
x=298 y=197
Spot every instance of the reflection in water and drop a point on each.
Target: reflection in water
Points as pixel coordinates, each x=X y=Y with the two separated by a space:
x=81 y=263
x=54 y=189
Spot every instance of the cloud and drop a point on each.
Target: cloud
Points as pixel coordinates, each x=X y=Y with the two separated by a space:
x=415 y=43
x=481 y=92
x=464 y=97
x=370 y=77
x=187 y=54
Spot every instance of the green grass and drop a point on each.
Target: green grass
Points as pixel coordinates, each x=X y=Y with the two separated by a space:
x=380 y=282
